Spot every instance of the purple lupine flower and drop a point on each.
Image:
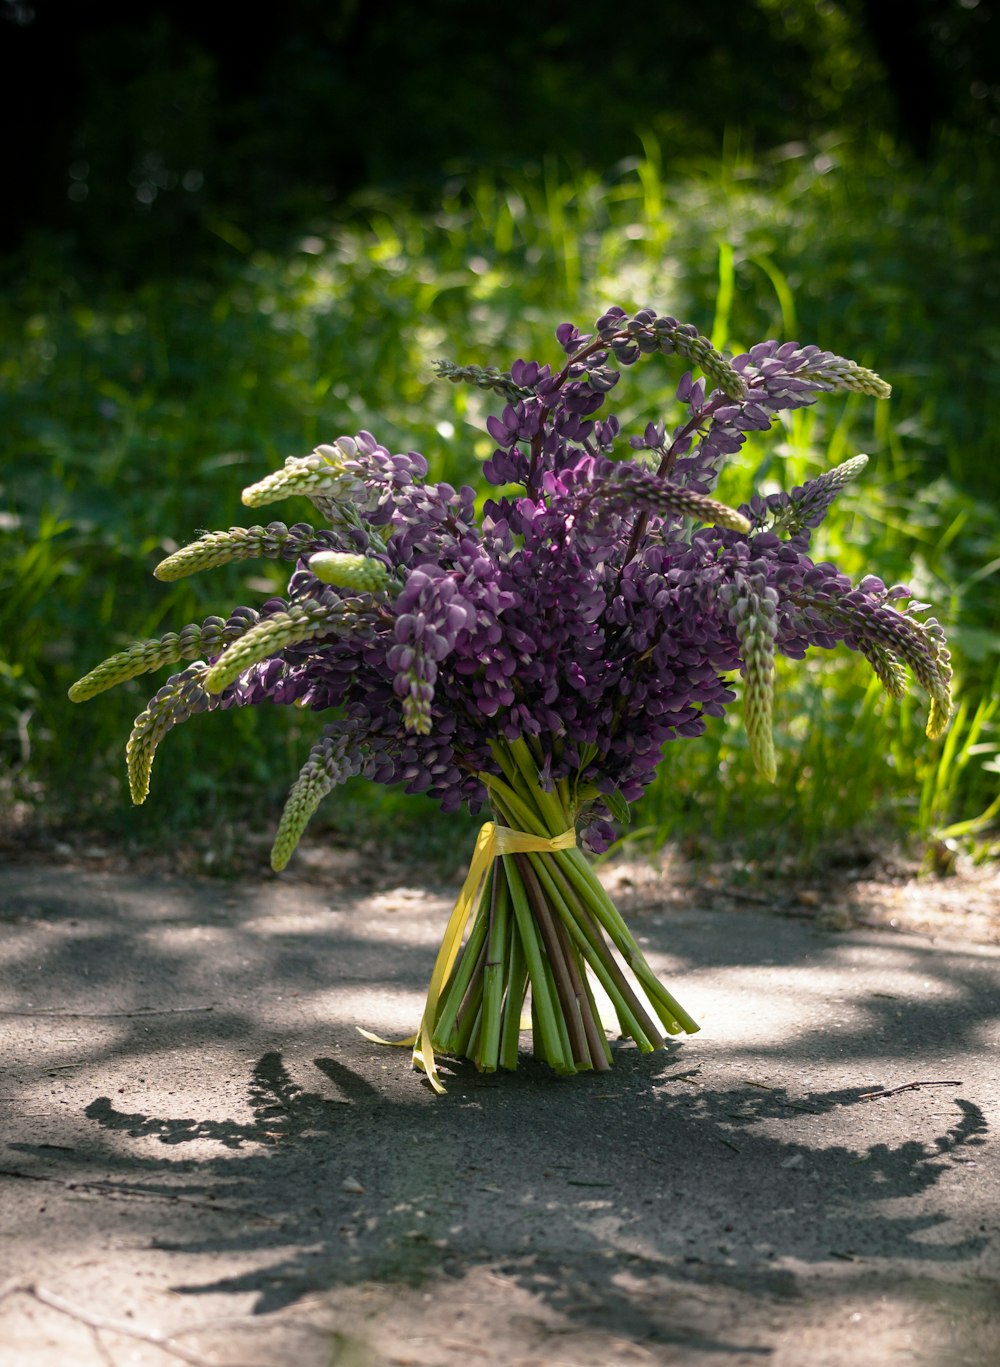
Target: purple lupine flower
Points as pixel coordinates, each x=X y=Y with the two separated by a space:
x=599 y=604
x=430 y=613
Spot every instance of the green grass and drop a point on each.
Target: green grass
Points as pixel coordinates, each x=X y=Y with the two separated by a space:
x=131 y=421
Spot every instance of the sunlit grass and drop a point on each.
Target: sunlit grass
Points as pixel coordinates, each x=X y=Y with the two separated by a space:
x=133 y=421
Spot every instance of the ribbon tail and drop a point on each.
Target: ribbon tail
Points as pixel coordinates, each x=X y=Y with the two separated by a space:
x=423 y=1058
x=423 y=1048
x=423 y=1053
x=395 y=1043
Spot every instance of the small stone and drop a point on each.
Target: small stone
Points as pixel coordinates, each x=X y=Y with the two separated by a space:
x=351 y=1184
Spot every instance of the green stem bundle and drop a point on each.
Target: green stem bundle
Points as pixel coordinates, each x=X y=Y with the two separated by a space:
x=544 y=925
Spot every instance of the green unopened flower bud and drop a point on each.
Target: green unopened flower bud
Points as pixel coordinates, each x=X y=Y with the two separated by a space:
x=306 y=621
x=140 y=658
x=888 y=670
x=323 y=474
x=347 y=571
x=483 y=377
x=143 y=657
x=663 y=499
x=336 y=758
x=940 y=714
x=719 y=514
x=306 y=795
x=674 y=339
x=940 y=693
x=181 y=696
x=754 y=617
x=266 y=638
x=861 y=380
x=840 y=373
x=275 y=541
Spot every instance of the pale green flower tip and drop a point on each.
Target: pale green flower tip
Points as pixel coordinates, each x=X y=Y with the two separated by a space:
x=865 y=381
x=764 y=760
x=180 y=564
x=224 y=671
x=171 y=568
x=738 y=523
x=416 y=719
x=344 y=570
x=282 y=484
x=97 y=681
x=940 y=715
x=263 y=490
x=138 y=782
x=286 y=842
x=326 y=565
x=762 y=751
x=767 y=768
x=280 y=855
x=218 y=677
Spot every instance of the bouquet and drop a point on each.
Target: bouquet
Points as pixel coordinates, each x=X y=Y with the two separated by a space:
x=533 y=656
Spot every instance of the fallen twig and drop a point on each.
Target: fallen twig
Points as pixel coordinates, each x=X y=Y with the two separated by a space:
x=99 y=1324
x=906 y=1087
x=764 y=899
x=46 y=1012
x=127 y=1191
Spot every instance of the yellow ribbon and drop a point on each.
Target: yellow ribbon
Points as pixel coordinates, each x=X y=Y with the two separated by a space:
x=493 y=840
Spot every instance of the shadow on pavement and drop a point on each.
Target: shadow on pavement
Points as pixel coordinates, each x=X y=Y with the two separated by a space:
x=598 y=1202
x=663 y=1201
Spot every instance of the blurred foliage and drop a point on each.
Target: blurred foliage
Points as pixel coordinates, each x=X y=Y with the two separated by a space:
x=157 y=136
x=132 y=418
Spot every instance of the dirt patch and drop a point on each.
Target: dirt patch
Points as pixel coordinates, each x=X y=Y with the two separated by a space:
x=936 y=890
x=853 y=886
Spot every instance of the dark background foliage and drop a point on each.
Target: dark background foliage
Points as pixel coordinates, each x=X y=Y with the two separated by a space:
x=149 y=135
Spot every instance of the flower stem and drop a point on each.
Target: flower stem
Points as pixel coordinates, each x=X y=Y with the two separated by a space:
x=494 y=968
x=632 y=1016
x=570 y=992
x=597 y=1044
x=517 y=986
x=671 y=1013
x=554 y=1042
x=543 y=919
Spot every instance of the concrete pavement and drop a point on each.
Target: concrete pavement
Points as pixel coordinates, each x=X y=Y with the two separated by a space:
x=201 y=1159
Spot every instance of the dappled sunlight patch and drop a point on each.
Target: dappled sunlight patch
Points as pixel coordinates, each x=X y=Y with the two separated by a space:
x=374 y=1005
x=407 y=899
x=322 y=920
x=733 y=1005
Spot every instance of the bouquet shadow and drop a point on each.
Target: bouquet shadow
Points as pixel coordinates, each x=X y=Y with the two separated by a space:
x=595 y=1198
